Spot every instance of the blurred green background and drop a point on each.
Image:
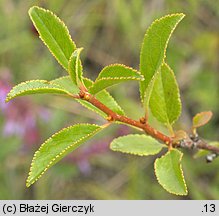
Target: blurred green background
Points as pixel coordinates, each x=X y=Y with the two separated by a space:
x=110 y=32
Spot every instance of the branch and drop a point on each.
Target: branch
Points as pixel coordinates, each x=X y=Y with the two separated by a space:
x=190 y=143
x=201 y=144
x=112 y=116
x=197 y=142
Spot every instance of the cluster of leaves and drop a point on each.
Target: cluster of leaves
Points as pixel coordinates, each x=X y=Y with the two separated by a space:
x=158 y=91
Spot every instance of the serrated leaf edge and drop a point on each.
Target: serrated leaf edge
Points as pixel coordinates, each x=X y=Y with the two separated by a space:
x=180 y=166
x=62 y=23
x=8 y=98
x=120 y=65
x=128 y=152
x=165 y=48
x=148 y=91
x=178 y=97
x=77 y=78
x=28 y=183
x=178 y=94
x=112 y=98
x=119 y=78
x=93 y=90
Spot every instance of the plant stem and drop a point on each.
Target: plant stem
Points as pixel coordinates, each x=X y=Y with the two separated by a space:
x=201 y=144
x=112 y=116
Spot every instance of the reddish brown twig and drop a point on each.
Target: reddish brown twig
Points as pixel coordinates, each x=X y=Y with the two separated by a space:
x=112 y=116
x=194 y=142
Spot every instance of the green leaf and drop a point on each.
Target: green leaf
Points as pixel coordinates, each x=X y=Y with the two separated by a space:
x=169 y=172
x=114 y=74
x=136 y=144
x=35 y=87
x=58 y=146
x=66 y=83
x=165 y=101
x=154 y=47
x=75 y=67
x=105 y=98
x=148 y=92
x=201 y=119
x=53 y=33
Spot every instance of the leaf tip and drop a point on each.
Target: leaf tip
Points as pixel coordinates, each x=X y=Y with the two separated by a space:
x=80 y=49
x=30 y=179
x=33 y=8
x=182 y=15
x=76 y=53
x=28 y=184
x=7 y=99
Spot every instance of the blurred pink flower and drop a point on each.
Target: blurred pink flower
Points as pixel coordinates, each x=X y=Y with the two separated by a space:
x=4 y=89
